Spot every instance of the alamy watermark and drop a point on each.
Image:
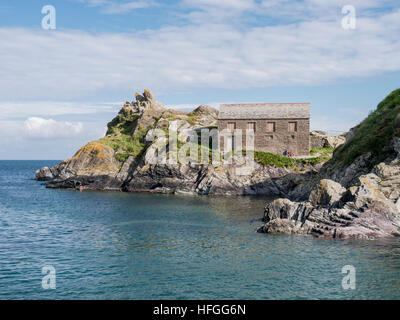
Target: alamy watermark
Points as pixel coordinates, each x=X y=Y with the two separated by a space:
x=349 y=20
x=49 y=20
x=349 y=280
x=202 y=146
x=49 y=280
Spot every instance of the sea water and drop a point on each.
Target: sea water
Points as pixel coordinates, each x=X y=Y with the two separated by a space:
x=114 y=245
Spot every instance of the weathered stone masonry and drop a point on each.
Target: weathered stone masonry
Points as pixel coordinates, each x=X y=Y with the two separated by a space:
x=278 y=127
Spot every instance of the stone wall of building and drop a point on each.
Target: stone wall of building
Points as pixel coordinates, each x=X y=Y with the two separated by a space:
x=277 y=141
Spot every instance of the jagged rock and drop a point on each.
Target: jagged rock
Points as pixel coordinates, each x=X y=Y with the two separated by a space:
x=283 y=226
x=326 y=193
x=361 y=211
x=350 y=134
x=362 y=201
x=93 y=166
x=347 y=176
x=203 y=109
x=44 y=174
x=389 y=183
x=335 y=141
x=320 y=139
x=148 y=95
x=139 y=97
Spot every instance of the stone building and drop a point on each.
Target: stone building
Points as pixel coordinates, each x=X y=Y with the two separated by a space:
x=278 y=127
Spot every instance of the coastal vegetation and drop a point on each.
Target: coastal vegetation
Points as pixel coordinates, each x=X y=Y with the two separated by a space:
x=126 y=145
x=120 y=135
x=374 y=133
x=276 y=160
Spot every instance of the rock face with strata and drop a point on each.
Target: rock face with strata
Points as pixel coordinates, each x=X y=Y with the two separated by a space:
x=367 y=209
x=355 y=194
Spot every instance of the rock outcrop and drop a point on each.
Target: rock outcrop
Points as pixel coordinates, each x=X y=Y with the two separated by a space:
x=361 y=211
x=320 y=139
x=127 y=158
x=354 y=195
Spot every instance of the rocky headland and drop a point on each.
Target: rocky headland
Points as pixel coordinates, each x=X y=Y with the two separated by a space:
x=348 y=188
x=122 y=160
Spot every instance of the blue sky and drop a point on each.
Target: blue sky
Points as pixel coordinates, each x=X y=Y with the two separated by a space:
x=59 y=88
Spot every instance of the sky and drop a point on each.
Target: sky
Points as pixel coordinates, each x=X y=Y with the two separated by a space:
x=60 y=86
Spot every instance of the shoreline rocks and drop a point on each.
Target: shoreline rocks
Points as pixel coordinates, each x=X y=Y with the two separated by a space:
x=368 y=209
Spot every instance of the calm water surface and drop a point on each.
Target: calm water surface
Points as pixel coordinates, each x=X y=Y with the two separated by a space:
x=143 y=246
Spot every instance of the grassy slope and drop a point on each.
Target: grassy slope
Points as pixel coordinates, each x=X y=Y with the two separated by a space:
x=270 y=159
x=125 y=145
x=375 y=132
x=119 y=135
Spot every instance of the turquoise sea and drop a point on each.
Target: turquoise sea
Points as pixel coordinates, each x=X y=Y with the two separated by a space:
x=109 y=245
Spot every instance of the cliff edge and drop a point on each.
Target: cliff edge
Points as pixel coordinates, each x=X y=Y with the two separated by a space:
x=357 y=193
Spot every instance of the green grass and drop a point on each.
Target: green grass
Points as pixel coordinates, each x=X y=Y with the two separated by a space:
x=191 y=118
x=325 y=152
x=374 y=133
x=125 y=145
x=123 y=123
x=276 y=160
x=119 y=135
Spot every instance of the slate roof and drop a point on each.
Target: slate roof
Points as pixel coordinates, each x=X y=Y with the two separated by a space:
x=264 y=111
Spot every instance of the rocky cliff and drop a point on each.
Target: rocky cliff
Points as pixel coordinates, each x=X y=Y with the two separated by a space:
x=354 y=195
x=122 y=160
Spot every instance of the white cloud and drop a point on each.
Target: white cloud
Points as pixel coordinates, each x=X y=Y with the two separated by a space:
x=48 y=128
x=224 y=4
x=192 y=106
x=53 y=108
x=116 y=7
x=76 y=65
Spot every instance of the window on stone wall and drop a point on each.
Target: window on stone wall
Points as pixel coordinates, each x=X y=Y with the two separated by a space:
x=270 y=137
x=231 y=126
x=292 y=126
x=251 y=126
x=271 y=126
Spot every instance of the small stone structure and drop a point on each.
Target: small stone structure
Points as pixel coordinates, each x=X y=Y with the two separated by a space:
x=278 y=127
